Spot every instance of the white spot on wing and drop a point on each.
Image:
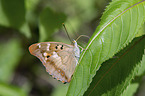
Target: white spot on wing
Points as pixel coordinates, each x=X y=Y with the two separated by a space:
x=39 y=45
x=46 y=59
x=55 y=55
x=48 y=45
x=45 y=54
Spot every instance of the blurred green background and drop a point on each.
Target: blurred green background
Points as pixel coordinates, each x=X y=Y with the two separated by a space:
x=24 y=22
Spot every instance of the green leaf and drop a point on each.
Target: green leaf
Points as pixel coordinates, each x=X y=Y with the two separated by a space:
x=31 y=4
x=31 y=14
x=9 y=57
x=131 y=90
x=117 y=73
x=138 y=84
x=12 y=14
x=141 y=72
x=60 y=90
x=8 y=90
x=119 y=25
x=141 y=31
x=49 y=22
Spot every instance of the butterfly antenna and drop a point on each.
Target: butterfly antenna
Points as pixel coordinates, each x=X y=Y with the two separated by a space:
x=66 y=32
x=82 y=36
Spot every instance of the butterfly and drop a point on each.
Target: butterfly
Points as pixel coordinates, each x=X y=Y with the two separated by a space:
x=59 y=59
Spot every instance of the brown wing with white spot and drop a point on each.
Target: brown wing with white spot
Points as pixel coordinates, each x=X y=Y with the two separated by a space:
x=58 y=58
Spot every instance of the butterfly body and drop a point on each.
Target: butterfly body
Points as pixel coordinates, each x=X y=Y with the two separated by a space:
x=60 y=59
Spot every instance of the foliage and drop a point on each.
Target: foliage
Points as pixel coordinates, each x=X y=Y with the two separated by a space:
x=113 y=62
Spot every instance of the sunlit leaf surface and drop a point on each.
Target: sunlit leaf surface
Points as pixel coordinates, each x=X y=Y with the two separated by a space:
x=119 y=24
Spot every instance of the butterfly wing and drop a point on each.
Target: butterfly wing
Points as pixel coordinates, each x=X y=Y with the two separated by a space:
x=58 y=58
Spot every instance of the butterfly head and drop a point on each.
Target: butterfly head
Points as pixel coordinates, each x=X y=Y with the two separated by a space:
x=74 y=42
